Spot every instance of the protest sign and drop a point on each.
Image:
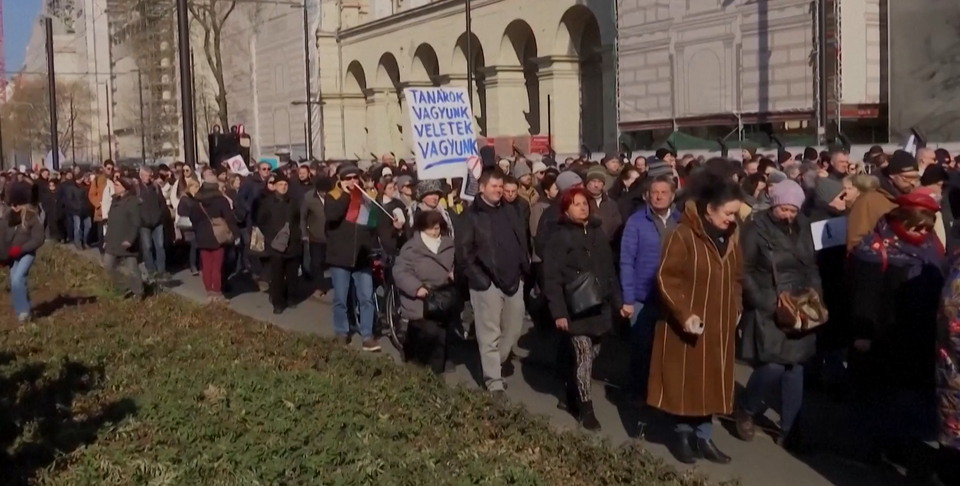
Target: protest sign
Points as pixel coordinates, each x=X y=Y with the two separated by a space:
x=829 y=233
x=471 y=184
x=441 y=122
x=237 y=165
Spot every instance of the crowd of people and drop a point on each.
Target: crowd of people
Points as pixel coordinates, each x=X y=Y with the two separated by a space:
x=699 y=263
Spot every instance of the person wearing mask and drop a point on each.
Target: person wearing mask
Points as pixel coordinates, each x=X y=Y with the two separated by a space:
x=691 y=369
x=495 y=255
x=120 y=248
x=96 y=195
x=21 y=231
x=425 y=265
x=899 y=178
x=349 y=258
x=313 y=227
x=580 y=248
x=639 y=259
x=896 y=280
x=214 y=227
x=188 y=201
x=778 y=257
x=601 y=206
x=278 y=217
x=152 y=238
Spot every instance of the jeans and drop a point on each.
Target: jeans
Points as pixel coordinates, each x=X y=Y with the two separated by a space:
x=124 y=273
x=18 y=284
x=643 y=327
x=767 y=378
x=211 y=270
x=153 y=239
x=703 y=426
x=81 y=230
x=363 y=283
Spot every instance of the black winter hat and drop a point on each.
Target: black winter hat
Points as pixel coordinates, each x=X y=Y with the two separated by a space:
x=19 y=194
x=902 y=162
x=933 y=175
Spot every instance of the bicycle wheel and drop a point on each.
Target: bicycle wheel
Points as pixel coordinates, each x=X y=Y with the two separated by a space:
x=393 y=319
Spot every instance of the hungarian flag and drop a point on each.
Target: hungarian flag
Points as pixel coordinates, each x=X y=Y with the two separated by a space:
x=362 y=210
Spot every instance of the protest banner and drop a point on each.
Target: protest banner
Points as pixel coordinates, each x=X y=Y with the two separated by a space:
x=442 y=125
x=829 y=233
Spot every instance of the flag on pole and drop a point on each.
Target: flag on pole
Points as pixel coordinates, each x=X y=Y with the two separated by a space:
x=361 y=210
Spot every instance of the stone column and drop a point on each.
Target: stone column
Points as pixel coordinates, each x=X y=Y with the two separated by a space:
x=379 y=138
x=506 y=101
x=560 y=84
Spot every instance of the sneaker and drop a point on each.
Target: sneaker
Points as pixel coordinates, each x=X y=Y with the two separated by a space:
x=371 y=345
x=24 y=318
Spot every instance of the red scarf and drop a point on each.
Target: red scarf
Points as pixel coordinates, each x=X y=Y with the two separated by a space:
x=915 y=239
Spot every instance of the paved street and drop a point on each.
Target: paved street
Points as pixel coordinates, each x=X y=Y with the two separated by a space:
x=760 y=463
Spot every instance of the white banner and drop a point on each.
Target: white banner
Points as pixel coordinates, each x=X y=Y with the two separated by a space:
x=237 y=165
x=442 y=125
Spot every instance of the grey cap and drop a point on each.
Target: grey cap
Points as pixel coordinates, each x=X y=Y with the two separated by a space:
x=404 y=180
x=520 y=169
x=657 y=168
x=776 y=177
x=567 y=180
x=827 y=189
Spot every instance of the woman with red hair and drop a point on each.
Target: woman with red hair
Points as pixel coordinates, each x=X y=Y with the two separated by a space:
x=582 y=292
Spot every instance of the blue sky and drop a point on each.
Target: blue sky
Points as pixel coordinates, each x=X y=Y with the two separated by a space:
x=18 y=16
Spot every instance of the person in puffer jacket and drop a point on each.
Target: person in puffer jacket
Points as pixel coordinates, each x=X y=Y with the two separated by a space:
x=22 y=234
x=639 y=260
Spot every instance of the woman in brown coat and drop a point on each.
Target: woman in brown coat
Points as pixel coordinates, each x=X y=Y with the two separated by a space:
x=691 y=371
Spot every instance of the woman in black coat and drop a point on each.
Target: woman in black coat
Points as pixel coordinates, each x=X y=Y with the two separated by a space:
x=778 y=256
x=278 y=217
x=210 y=207
x=578 y=246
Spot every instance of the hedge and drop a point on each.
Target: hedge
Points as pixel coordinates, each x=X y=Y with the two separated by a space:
x=100 y=390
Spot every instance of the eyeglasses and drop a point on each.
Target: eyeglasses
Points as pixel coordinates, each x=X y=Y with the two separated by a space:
x=264 y=169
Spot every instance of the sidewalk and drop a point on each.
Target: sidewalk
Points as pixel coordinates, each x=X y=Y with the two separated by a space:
x=758 y=463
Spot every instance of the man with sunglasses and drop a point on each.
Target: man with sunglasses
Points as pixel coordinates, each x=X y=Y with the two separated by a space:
x=348 y=256
x=899 y=178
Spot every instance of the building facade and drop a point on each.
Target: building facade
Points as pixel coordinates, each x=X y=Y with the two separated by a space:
x=690 y=63
x=543 y=72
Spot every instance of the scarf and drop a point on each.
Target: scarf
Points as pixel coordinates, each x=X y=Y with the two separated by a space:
x=890 y=244
x=432 y=244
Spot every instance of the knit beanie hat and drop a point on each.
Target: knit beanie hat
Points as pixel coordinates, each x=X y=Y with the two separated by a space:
x=657 y=168
x=429 y=186
x=596 y=173
x=567 y=180
x=520 y=169
x=776 y=177
x=827 y=189
x=787 y=193
x=19 y=194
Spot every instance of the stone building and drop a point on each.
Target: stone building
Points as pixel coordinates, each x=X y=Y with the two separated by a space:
x=543 y=68
x=702 y=63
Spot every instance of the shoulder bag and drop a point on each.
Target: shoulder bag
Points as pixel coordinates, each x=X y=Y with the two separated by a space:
x=221 y=230
x=583 y=294
x=441 y=303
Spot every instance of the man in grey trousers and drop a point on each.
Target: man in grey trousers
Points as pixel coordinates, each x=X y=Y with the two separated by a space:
x=495 y=256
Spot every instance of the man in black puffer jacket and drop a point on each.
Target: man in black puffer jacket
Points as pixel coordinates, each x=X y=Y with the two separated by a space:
x=495 y=255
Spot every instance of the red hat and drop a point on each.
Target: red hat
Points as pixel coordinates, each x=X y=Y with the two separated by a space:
x=918 y=199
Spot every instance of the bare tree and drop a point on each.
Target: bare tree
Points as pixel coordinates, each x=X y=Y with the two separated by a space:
x=211 y=15
x=26 y=116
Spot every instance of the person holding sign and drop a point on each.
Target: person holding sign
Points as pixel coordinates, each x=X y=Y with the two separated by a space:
x=778 y=259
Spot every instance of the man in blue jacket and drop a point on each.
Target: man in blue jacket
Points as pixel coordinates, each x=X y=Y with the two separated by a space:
x=639 y=260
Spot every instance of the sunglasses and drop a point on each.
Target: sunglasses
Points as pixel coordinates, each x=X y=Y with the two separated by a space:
x=350 y=178
x=264 y=169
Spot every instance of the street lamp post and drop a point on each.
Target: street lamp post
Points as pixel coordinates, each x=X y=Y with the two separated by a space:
x=186 y=85
x=52 y=88
x=469 y=21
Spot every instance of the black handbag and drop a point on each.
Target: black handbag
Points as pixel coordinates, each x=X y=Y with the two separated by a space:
x=441 y=303
x=583 y=294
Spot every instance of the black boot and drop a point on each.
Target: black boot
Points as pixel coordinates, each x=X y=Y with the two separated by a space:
x=570 y=404
x=682 y=448
x=587 y=418
x=708 y=450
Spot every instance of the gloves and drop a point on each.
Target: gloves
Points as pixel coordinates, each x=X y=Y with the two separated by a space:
x=14 y=252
